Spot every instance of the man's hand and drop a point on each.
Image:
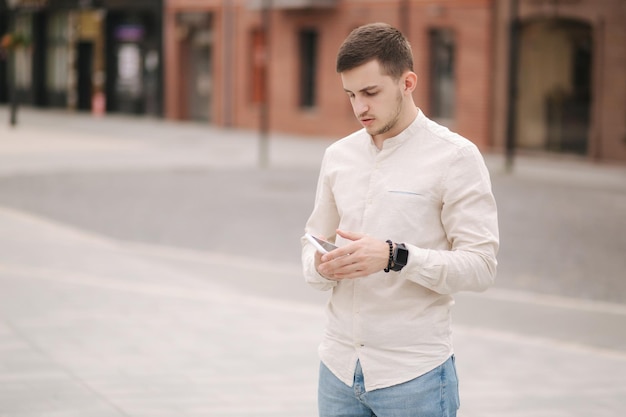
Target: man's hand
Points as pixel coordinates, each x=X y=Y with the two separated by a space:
x=363 y=256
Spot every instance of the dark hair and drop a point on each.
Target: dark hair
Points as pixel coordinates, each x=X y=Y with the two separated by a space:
x=376 y=41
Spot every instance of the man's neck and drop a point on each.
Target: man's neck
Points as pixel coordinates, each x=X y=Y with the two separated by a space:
x=403 y=123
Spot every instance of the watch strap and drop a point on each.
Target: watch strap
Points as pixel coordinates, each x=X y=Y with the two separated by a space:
x=400 y=257
x=390 y=260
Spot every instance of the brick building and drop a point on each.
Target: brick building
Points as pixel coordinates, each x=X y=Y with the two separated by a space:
x=215 y=66
x=270 y=64
x=571 y=77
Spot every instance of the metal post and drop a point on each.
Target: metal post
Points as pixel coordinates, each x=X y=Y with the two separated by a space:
x=513 y=71
x=229 y=34
x=12 y=90
x=264 y=112
x=13 y=99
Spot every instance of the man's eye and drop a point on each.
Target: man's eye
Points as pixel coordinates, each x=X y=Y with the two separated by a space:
x=371 y=93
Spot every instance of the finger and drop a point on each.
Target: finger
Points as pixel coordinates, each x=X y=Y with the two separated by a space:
x=347 y=265
x=349 y=274
x=340 y=259
x=349 y=235
x=336 y=254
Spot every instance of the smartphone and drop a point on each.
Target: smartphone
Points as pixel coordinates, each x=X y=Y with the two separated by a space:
x=321 y=245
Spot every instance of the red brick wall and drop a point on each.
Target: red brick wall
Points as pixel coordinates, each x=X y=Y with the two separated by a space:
x=332 y=117
x=471 y=21
x=481 y=29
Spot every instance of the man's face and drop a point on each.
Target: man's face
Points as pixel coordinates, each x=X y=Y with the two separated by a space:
x=376 y=99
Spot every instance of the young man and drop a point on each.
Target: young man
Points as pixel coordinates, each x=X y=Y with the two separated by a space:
x=410 y=206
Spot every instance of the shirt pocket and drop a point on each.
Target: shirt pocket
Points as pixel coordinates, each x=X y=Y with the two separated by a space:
x=411 y=212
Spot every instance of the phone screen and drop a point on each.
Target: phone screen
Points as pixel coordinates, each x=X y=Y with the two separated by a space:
x=319 y=243
x=326 y=245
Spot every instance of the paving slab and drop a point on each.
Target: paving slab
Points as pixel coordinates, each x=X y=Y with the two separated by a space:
x=93 y=326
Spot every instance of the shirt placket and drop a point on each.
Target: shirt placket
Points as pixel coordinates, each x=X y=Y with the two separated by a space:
x=373 y=188
x=360 y=286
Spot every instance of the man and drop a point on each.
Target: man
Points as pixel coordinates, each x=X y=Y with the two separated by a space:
x=410 y=206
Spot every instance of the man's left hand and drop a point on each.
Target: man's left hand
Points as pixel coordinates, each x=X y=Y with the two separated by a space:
x=363 y=256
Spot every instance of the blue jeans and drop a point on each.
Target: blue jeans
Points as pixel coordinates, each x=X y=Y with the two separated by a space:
x=434 y=394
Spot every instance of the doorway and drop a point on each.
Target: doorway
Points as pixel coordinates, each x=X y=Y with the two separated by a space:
x=196 y=65
x=555 y=86
x=84 y=74
x=200 y=80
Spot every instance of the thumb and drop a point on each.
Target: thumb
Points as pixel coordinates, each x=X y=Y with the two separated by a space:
x=349 y=235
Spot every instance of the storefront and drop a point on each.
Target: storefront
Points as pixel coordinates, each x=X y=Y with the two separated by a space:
x=4 y=28
x=88 y=55
x=134 y=57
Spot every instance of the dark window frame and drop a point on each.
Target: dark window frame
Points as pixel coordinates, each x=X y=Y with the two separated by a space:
x=443 y=80
x=308 y=44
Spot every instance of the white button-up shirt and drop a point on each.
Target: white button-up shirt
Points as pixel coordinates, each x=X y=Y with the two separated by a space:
x=430 y=189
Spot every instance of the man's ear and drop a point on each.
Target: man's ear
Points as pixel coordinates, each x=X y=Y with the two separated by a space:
x=410 y=81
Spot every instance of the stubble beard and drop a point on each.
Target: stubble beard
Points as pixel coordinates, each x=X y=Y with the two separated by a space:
x=394 y=121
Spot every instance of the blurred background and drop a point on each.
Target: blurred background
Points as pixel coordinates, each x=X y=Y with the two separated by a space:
x=158 y=162
x=537 y=75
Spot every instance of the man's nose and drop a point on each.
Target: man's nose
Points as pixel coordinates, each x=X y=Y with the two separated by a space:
x=360 y=106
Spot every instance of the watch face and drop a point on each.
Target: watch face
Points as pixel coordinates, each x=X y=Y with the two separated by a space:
x=402 y=256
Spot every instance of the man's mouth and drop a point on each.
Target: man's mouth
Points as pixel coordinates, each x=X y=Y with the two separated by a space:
x=366 y=121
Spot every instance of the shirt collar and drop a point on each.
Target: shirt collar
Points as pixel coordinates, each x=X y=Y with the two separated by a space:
x=406 y=134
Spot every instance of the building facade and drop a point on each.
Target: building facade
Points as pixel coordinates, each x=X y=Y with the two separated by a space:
x=569 y=88
x=86 y=55
x=560 y=88
x=227 y=61
x=536 y=75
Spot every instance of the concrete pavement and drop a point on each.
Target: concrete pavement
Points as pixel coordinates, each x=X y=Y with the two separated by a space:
x=92 y=326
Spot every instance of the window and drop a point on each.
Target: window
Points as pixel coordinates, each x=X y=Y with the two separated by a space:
x=57 y=56
x=442 y=80
x=259 y=67
x=23 y=65
x=308 y=63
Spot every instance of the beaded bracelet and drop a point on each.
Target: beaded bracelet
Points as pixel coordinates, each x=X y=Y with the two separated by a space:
x=390 y=255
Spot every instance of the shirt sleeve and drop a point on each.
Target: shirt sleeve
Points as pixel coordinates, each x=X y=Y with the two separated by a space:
x=469 y=218
x=323 y=223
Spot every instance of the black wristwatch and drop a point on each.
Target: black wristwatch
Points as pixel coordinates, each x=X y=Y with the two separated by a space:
x=400 y=257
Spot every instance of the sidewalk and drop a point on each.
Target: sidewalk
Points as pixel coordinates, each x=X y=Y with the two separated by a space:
x=95 y=327
x=48 y=141
x=61 y=140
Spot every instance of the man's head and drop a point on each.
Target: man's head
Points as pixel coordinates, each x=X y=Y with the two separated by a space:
x=375 y=64
x=376 y=41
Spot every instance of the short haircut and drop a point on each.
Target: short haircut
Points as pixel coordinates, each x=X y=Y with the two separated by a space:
x=376 y=41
